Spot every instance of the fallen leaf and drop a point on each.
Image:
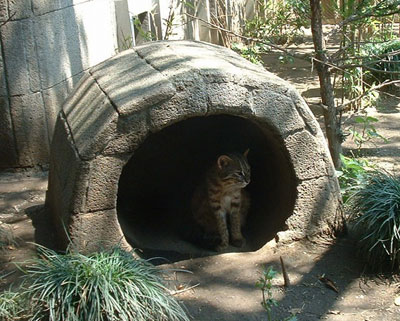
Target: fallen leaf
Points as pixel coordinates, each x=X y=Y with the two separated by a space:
x=295 y=311
x=329 y=283
x=335 y=312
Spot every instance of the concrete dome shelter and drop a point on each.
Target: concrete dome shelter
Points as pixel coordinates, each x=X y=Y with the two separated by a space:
x=139 y=129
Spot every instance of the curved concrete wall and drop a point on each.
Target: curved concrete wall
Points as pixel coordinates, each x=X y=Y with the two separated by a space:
x=123 y=101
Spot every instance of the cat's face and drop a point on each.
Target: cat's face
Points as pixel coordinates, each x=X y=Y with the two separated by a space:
x=234 y=170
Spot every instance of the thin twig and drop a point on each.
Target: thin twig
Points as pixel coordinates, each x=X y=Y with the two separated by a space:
x=286 y=279
x=251 y=39
x=184 y=290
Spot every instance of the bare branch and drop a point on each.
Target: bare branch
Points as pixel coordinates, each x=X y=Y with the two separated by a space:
x=286 y=279
x=373 y=88
x=291 y=53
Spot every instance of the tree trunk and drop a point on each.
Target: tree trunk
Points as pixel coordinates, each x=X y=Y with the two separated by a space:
x=332 y=125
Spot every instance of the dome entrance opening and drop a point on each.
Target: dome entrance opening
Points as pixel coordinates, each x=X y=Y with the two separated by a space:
x=157 y=183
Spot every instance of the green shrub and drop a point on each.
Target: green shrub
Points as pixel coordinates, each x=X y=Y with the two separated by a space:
x=352 y=175
x=280 y=22
x=389 y=66
x=377 y=224
x=102 y=286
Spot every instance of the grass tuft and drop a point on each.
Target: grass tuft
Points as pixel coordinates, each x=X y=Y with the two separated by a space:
x=12 y=305
x=377 y=209
x=103 y=286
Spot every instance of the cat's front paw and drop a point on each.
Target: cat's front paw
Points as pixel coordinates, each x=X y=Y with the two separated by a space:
x=238 y=242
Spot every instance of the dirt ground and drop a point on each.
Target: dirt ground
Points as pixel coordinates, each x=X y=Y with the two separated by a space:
x=224 y=285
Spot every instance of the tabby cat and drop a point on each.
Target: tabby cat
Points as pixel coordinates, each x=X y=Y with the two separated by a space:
x=220 y=204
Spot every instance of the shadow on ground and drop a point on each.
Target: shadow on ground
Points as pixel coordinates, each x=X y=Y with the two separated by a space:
x=226 y=289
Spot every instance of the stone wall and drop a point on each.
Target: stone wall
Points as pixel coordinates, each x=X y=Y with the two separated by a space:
x=46 y=45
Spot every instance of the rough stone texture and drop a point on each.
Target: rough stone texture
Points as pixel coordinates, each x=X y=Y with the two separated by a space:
x=97 y=231
x=103 y=185
x=278 y=109
x=3 y=10
x=118 y=102
x=30 y=128
x=54 y=98
x=20 y=59
x=316 y=208
x=47 y=45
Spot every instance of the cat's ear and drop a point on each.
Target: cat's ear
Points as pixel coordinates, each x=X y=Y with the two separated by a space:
x=246 y=152
x=223 y=160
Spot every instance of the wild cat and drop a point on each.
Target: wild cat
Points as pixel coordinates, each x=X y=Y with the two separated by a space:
x=220 y=204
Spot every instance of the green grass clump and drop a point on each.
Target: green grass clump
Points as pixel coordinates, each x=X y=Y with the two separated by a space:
x=102 y=286
x=377 y=223
x=12 y=305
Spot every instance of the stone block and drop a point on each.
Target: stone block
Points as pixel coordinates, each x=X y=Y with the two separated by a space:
x=103 y=182
x=30 y=128
x=8 y=152
x=131 y=132
x=138 y=86
x=305 y=112
x=198 y=62
x=307 y=155
x=20 y=57
x=277 y=110
x=97 y=231
x=54 y=98
x=91 y=117
x=80 y=38
x=193 y=102
x=69 y=175
x=229 y=97
x=316 y=207
x=59 y=46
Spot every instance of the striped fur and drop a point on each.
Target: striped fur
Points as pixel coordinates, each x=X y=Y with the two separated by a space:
x=220 y=204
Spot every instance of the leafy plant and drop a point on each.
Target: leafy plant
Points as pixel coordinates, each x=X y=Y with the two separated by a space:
x=377 y=220
x=250 y=52
x=265 y=285
x=368 y=131
x=279 y=22
x=102 y=286
x=383 y=60
x=352 y=175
